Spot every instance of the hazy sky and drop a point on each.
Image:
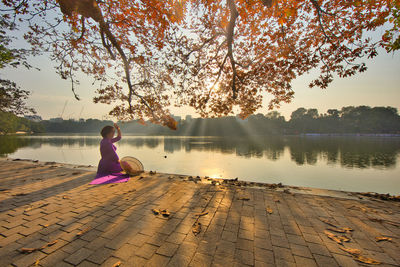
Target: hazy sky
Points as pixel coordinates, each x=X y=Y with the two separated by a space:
x=378 y=86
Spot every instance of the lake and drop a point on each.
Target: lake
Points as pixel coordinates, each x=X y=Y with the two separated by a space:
x=348 y=163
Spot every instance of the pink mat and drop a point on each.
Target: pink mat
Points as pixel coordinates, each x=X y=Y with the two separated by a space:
x=111 y=179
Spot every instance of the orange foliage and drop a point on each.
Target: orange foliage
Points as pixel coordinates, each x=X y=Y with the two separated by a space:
x=215 y=56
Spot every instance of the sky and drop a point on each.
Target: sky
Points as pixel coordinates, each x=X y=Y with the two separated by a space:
x=378 y=86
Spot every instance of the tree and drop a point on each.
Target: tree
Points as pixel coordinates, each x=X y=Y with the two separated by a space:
x=12 y=98
x=216 y=56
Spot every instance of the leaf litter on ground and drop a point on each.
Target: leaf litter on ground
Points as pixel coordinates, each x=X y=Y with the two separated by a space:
x=337 y=238
x=383 y=238
x=336 y=228
x=163 y=212
x=196 y=228
x=201 y=213
x=84 y=231
x=30 y=250
x=269 y=210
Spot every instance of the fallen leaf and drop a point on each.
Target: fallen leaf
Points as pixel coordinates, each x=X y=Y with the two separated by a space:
x=84 y=231
x=196 y=228
x=365 y=259
x=65 y=197
x=27 y=250
x=269 y=210
x=117 y=264
x=243 y=198
x=30 y=250
x=28 y=209
x=19 y=194
x=341 y=230
x=165 y=213
x=155 y=211
x=352 y=251
x=337 y=239
x=383 y=238
x=37 y=262
x=201 y=213
x=384 y=221
x=328 y=222
x=49 y=244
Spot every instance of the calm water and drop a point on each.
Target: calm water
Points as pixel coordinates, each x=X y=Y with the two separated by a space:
x=344 y=163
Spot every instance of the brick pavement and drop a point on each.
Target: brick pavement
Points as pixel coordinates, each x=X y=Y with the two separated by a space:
x=110 y=224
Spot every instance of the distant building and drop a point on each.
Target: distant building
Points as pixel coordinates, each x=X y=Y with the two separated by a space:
x=59 y=119
x=33 y=118
x=188 y=117
x=81 y=120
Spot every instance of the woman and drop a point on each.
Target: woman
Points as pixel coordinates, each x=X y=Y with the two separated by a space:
x=109 y=162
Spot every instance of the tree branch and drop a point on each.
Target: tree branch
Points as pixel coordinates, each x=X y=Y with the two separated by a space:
x=229 y=38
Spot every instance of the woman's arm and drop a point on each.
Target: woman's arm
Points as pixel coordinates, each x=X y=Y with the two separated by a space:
x=116 y=139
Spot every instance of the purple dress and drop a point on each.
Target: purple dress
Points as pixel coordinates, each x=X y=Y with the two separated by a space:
x=109 y=159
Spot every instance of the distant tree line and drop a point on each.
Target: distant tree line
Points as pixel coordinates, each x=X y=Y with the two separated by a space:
x=348 y=120
x=10 y=123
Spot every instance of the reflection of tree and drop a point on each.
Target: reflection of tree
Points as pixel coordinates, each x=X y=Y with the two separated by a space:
x=172 y=144
x=350 y=152
x=10 y=144
x=377 y=152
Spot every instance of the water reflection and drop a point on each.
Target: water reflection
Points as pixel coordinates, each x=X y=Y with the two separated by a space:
x=350 y=152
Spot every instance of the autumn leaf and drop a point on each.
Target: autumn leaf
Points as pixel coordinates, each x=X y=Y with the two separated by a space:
x=365 y=259
x=383 y=238
x=269 y=210
x=338 y=239
x=201 y=213
x=84 y=231
x=196 y=228
x=352 y=251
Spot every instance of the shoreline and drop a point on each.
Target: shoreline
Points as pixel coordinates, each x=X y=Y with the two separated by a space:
x=278 y=187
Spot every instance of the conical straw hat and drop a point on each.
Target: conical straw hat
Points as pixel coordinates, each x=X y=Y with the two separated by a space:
x=131 y=165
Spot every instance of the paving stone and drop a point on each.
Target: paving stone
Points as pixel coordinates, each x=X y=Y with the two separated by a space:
x=318 y=249
x=54 y=258
x=125 y=251
x=167 y=249
x=263 y=255
x=305 y=262
x=299 y=250
x=325 y=261
x=283 y=254
x=244 y=256
x=146 y=251
x=79 y=256
x=201 y=260
x=345 y=260
x=158 y=260
x=29 y=259
x=100 y=255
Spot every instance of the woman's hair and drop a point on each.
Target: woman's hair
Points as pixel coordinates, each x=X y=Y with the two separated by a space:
x=106 y=130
